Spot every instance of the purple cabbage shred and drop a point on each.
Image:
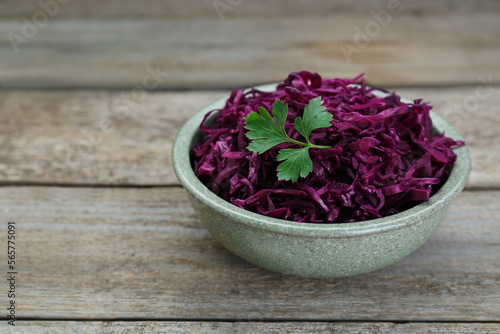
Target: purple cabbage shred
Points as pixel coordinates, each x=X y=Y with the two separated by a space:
x=385 y=157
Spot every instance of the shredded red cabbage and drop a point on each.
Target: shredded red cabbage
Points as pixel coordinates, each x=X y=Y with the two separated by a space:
x=384 y=159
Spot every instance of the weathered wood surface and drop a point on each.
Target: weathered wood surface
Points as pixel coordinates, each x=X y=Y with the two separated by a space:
x=97 y=253
x=140 y=253
x=113 y=138
x=92 y=137
x=415 y=47
x=148 y=327
x=98 y=9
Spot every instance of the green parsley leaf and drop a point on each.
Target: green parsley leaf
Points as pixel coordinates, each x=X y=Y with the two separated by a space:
x=295 y=162
x=315 y=117
x=266 y=132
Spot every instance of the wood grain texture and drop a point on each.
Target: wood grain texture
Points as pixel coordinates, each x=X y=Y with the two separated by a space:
x=205 y=52
x=113 y=138
x=111 y=253
x=149 y=327
x=92 y=137
x=98 y=9
x=116 y=254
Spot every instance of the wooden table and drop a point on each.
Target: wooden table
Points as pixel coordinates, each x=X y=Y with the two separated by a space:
x=106 y=241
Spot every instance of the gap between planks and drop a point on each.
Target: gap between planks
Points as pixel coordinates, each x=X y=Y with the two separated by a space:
x=146 y=186
x=226 y=88
x=255 y=327
x=268 y=320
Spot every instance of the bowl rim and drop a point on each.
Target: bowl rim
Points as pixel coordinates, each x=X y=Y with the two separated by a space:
x=182 y=166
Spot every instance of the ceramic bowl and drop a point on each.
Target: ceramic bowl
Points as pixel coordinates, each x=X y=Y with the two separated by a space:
x=315 y=250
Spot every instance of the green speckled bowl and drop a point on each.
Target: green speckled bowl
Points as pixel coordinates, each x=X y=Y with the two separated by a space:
x=315 y=250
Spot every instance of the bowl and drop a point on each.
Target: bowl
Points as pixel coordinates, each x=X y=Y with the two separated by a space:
x=315 y=250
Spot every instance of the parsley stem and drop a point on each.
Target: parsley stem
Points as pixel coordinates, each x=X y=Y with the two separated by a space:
x=319 y=146
x=297 y=142
x=307 y=144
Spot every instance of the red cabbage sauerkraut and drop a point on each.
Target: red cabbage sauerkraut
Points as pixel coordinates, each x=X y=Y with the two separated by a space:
x=384 y=156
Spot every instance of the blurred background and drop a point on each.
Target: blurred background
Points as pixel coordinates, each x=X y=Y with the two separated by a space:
x=90 y=71
x=225 y=43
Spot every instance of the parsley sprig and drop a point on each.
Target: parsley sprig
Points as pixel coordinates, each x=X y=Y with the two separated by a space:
x=266 y=132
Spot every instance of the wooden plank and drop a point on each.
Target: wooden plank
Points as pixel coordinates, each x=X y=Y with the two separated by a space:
x=97 y=9
x=112 y=138
x=111 y=253
x=92 y=137
x=203 y=52
x=117 y=327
